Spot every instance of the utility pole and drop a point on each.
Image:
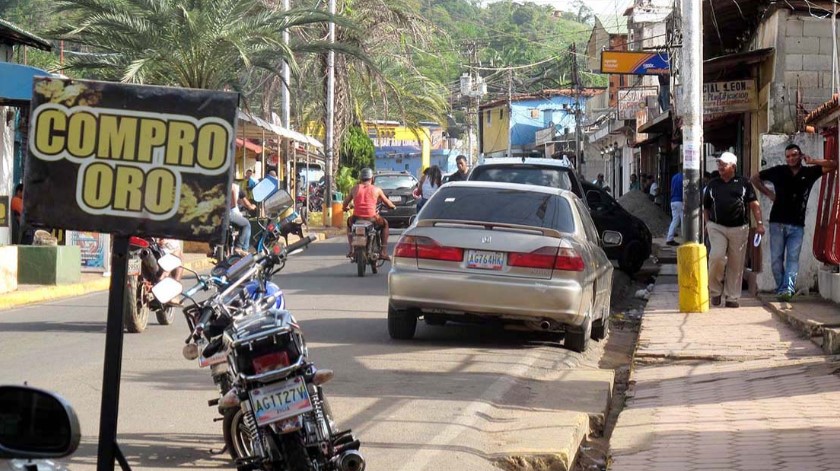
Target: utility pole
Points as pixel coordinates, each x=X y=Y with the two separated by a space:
x=287 y=106
x=510 y=113
x=471 y=47
x=328 y=145
x=575 y=77
x=691 y=256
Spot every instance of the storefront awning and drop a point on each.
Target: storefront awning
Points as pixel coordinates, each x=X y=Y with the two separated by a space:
x=255 y=148
x=659 y=125
x=16 y=86
x=255 y=128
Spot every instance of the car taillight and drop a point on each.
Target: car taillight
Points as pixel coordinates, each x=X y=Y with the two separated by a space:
x=564 y=258
x=427 y=249
x=270 y=361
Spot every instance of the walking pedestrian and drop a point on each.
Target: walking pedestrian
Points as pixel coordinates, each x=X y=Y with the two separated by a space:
x=429 y=185
x=792 y=183
x=727 y=223
x=676 y=208
x=463 y=170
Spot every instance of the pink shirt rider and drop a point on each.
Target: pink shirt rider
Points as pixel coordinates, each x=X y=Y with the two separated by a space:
x=364 y=202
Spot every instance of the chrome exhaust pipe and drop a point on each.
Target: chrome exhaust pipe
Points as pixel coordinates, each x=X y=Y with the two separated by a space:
x=351 y=460
x=545 y=325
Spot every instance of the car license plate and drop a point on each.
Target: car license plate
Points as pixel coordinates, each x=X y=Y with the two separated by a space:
x=395 y=199
x=485 y=260
x=133 y=266
x=280 y=401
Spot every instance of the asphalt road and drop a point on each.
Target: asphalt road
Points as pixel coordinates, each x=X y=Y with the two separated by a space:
x=456 y=397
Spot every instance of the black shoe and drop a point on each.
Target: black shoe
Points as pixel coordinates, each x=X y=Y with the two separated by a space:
x=672 y=243
x=715 y=300
x=732 y=304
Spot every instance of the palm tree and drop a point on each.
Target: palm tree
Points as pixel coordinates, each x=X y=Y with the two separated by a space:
x=210 y=44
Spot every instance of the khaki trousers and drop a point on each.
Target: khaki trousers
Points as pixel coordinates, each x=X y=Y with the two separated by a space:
x=727 y=259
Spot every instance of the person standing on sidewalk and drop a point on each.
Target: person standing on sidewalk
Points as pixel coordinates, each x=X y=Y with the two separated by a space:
x=792 y=183
x=725 y=205
x=676 y=207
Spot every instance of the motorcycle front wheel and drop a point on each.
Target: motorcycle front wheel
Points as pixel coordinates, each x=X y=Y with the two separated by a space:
x=135 y=311
x=166 y=315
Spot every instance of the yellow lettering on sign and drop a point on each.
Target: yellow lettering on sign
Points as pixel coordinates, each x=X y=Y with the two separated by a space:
x=128 y=189
x=179 y=149
x=160 y=191
x=81 y=134
x=212 y=146
x=152 y=134
x=117 y=137
x=98 y=185
x=49 y=132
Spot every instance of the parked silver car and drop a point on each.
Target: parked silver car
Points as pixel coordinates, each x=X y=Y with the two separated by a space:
x=519 y=254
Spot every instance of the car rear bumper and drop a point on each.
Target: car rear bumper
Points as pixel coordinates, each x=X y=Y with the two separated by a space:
x=509 y=298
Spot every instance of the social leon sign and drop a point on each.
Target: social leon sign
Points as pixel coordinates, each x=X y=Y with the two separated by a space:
x=129 y=159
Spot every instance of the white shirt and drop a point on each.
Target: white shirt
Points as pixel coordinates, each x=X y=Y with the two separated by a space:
x=428 y=189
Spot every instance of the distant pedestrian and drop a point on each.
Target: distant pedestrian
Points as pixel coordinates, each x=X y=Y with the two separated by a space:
x=430 y=184
x=599 y=181
x=676 y=207
x=634 y=183
x=725 y=204
x=460 y=175
x=792 y=183
x=654 y=191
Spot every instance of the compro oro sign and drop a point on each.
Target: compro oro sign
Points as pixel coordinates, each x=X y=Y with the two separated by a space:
x=736 y=96
x=129 y=159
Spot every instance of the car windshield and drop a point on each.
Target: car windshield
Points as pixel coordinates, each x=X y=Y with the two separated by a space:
x=524 y=174
x=499 y=205
x=395 y=182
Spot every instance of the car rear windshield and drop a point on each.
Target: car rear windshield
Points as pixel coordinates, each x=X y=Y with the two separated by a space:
x=498 y=205
x=395 y=182
x=554 y=177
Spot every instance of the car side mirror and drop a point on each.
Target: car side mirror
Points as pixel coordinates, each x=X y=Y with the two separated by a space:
x=36 y=424
x=612 y=238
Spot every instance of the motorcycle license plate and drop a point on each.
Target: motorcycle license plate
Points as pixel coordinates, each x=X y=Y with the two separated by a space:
x=359 y=241
x=279 y=401
x=133 y=266
x=485 y=260
x=219 y=357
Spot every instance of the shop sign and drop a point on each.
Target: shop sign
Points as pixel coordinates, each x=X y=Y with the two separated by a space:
x=130 y=159
x=735 y=96
x=4 y=211
x=95 y=249
x=631 y=100
x=635 y=63
x=641 y=120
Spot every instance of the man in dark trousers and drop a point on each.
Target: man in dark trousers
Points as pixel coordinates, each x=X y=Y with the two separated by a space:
x=463 y=170
x=725 y=204
x=792 y=182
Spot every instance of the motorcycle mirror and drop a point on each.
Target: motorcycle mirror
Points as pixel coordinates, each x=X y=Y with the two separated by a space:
x=264 y=189
x=36 y=424
x=167 y=289
x=169 y=262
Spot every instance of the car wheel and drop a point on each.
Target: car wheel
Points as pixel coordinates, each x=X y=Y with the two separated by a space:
x=401 y=324
x=633 y=257
x=577 y=337
x=600 y=328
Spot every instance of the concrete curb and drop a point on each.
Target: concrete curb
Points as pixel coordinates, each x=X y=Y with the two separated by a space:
x=50 y=293
x=824 y=336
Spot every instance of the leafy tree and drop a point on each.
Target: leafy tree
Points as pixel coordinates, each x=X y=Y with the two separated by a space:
x=357 y=151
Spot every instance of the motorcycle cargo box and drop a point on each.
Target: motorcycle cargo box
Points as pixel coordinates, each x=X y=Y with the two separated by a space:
x=261 y=338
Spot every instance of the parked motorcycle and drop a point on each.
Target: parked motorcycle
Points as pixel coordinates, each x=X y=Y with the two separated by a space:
x=367 y=245
x=142 y=274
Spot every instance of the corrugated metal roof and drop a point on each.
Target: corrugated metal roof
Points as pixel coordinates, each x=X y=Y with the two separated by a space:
x=19 y=36
x=613 y=24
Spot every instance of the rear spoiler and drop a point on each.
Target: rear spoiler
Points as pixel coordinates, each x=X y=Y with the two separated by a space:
x=553 y=233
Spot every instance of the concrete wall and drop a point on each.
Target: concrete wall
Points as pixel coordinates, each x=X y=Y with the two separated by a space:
x=773 y=153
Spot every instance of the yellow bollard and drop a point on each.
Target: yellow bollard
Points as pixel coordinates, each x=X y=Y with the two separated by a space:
x=693 y=277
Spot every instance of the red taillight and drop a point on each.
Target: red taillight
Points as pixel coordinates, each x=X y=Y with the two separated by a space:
x=270 y=227
x=270 y=361
x=138 y=242
x=564 y=258
x=427 y=249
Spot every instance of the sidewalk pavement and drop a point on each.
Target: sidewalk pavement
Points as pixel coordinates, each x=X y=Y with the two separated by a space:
x=93 y=282
x=733 y=389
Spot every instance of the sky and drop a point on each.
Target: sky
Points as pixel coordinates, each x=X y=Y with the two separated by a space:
x=600 y=7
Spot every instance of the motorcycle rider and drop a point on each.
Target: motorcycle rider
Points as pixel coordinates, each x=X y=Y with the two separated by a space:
x=365 y=195
x=238 y=219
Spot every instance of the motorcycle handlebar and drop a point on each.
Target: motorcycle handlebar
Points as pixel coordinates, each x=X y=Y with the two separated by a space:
x=301 y=243
x=206 y=314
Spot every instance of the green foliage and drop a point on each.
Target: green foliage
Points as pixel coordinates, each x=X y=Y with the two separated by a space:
x=357 y=151
x=344 y=180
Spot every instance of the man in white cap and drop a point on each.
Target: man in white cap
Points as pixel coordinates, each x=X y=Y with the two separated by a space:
x=725 y=203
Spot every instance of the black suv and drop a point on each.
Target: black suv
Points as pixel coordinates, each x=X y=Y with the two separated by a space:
x=608 y=215
x=399 y=188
